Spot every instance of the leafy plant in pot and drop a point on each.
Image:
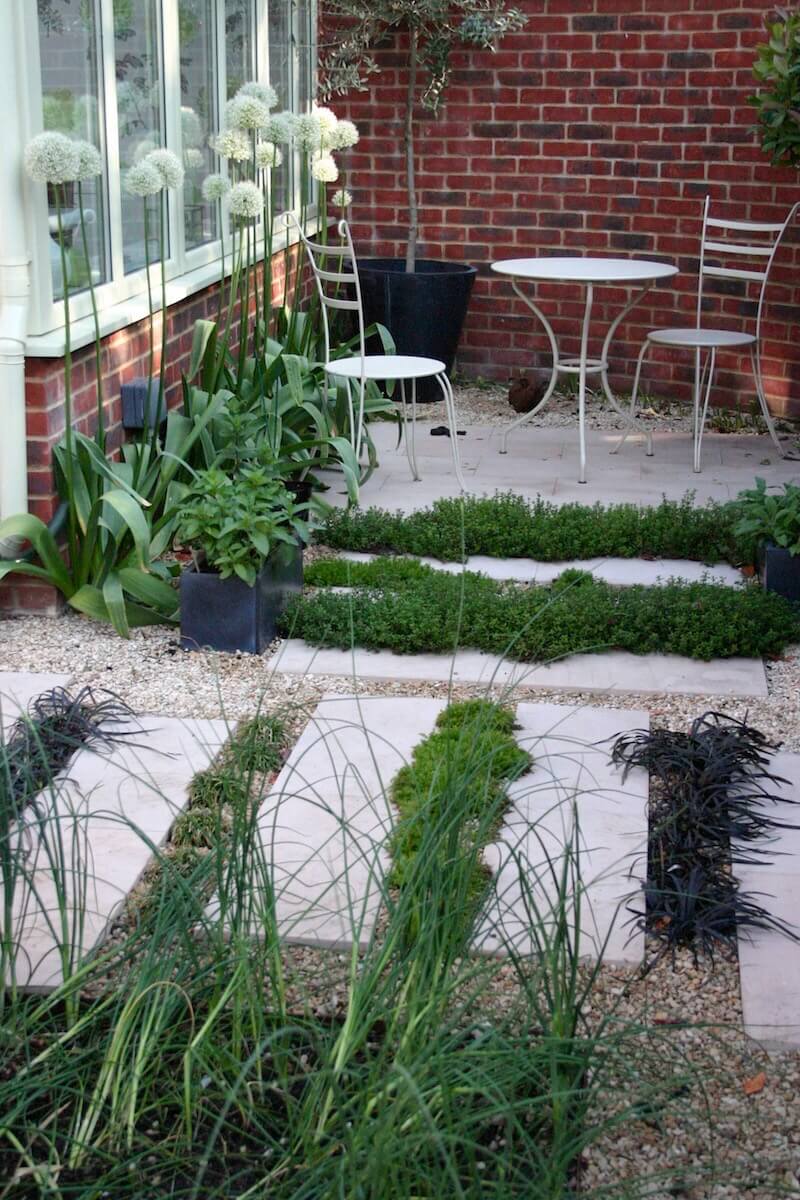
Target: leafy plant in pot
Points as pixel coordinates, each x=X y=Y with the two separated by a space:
x=772 y=524
x=247 y=535
x=422 y=302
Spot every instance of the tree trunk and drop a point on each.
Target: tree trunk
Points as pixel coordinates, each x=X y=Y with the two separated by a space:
x=413 y=215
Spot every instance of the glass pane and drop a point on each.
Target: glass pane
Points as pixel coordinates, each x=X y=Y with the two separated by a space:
x=280 y=76
x=240 y=44
x=305 y=49
x=140 y=112
x=69 y=44
x=198 y=115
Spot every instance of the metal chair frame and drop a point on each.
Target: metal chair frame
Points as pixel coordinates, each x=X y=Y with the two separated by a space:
x=716 y=338
x=368 y=364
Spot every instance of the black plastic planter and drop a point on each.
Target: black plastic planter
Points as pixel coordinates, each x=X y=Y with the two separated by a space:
x=226 y=614
x=424 y=311
x=779 y=571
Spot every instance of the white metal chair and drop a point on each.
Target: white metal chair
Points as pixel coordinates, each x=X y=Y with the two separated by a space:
x=747 y=258
x=361 y=367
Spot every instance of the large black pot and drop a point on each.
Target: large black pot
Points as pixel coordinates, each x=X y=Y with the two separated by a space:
x=226 y=614
x=779 y=571
x=424 y=311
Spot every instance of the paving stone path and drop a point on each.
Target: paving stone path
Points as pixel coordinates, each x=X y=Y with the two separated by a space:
x=325 y=821
x=111 y=808
x=616 y=671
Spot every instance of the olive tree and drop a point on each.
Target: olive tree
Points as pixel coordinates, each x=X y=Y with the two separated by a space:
x=777 y=70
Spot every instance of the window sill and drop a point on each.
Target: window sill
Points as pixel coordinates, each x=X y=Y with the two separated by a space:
x=114 y=317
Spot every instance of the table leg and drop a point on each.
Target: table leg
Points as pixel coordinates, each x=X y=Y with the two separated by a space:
x=612 y=329
x=587 y=316
x=551 y=387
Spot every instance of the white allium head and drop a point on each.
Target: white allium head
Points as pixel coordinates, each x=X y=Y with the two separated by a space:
x=246 y=201
x=143 y=148
x=168 y=166
x=246 y=113
x=143 y=179
x=215 y=187
x=279 y=128
x=90 y=162
x=194 y=159
x=232 y=143
x=324 y=168
x=307 y=132
x=341 y=198
x=52 y=158
x=191 y=128
x=262 y=91
x=344 y=136
x=268 y=156
x=327 y=120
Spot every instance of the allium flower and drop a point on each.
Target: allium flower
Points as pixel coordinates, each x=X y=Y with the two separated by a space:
x=308 y=131
x=327 y=120
x=341 y=198
x=246 y=112
x=194 y=159
x=268 y=156
x=324 y=168
x=231 y=143
x=143 y=148
x=280 y=127
x=215 y=187
x=246 y=201
x=52 y=158
x=90 y=162
x=168 y=166
x=143 y=179
x=262 y=91
x=191 y=127
x=344 y=136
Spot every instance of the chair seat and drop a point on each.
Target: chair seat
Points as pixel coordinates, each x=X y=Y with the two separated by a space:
x=385 y=366
x=702 y=339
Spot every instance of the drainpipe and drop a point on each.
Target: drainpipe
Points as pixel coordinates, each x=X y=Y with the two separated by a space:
x=14 y=285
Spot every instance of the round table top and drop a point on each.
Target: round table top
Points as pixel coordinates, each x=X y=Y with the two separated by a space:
x=583 y=269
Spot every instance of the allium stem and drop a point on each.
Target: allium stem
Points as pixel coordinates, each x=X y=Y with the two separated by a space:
x=151 y=351
x=222 y=256
x=411 y=181
x=98 y=353
x=162 y=201
x=68 y=438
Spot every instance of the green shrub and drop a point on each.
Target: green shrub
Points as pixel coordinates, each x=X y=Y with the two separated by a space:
x=511 y=526
x=436 y=613
x=466 y=764
x=769 y=517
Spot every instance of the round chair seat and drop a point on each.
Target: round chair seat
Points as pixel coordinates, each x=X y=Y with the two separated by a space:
x=385 y=366
x=701 y=339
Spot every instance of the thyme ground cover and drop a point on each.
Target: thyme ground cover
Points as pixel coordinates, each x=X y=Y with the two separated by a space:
x=410 y=608
x=511 y=526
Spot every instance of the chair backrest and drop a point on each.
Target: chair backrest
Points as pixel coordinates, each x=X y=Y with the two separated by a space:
x=329 y=281
x=742 y=250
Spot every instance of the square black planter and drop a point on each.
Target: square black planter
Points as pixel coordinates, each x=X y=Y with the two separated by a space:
x=142 y=406
x=779 y=571
x=226 y=614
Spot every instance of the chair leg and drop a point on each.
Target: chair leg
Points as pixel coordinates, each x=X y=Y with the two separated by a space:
x=411 y=450
x=634 y=396
x=762 y=399
x=708 y=369
x=450 y=407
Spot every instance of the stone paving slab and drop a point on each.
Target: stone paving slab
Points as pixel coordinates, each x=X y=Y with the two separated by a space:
x=572 y=797
x=113 y=809
x=326 y=819
x=622 y=572
x=615 y=671
x=18 y=688
x=769 y=962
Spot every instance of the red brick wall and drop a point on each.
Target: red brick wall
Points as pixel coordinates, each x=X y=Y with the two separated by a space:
x=124 y=358
x=599 y=127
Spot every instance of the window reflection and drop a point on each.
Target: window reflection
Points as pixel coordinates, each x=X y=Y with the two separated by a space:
x=198 y=115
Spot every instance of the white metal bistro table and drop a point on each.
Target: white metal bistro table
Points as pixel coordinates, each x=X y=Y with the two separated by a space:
x=588 y=273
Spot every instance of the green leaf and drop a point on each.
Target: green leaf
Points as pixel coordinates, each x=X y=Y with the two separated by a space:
x=29 y=528
x=204 y=343
x=134 y=518
x=149 y=590
x=115 y=604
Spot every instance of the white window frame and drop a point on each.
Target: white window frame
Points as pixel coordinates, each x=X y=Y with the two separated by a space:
x=122 y=299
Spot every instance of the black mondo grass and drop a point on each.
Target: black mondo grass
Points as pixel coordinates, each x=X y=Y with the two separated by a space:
x=711 y=792
x=42 y=741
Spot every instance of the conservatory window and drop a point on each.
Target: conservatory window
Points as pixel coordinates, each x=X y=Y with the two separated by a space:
x=129 y=75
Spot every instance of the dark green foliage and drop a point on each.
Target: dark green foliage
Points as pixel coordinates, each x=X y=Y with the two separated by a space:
x=777 y=72
x=427 y=611
x=711 y=789
x=766 y=516
x=464 y=765
x=510 y=526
